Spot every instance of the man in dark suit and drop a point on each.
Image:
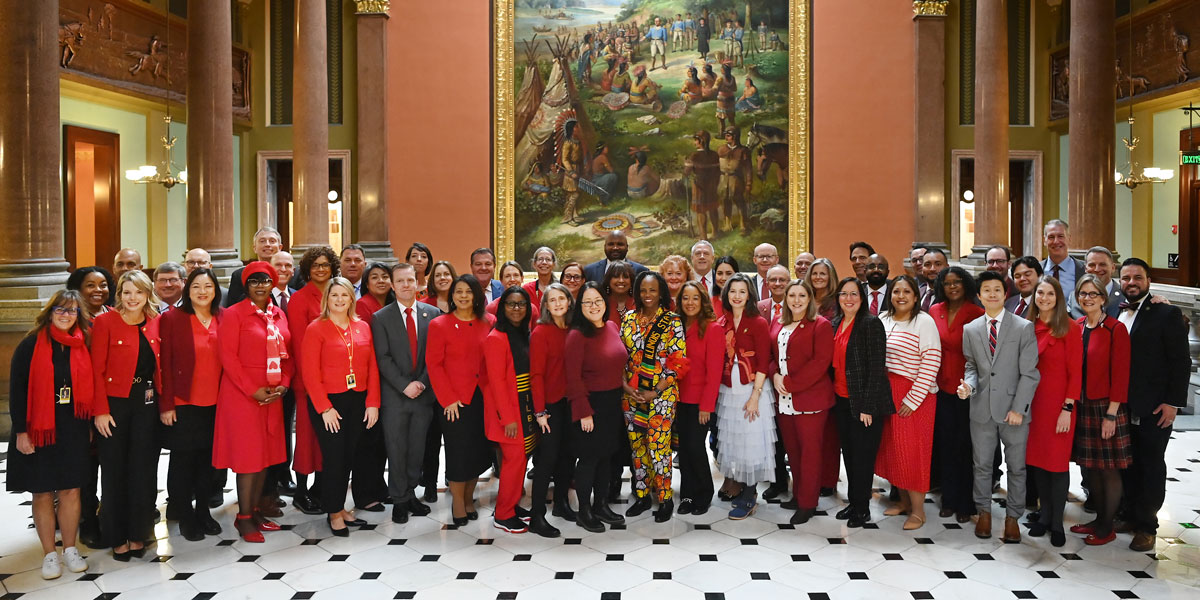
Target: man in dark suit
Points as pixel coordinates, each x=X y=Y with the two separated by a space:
x=266 y=243
x=765 y=257
x=407 y=401
x=616 y=247
x=999 y=259
x=483 y=267
x=934 y=260
x=1159 y=369
x=1059 y=264
x=877 y=271
x=1025 y=274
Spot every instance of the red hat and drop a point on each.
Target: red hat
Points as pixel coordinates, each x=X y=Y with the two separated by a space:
x=260 y=266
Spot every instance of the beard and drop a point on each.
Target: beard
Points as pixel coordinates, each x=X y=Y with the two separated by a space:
x=876 y=279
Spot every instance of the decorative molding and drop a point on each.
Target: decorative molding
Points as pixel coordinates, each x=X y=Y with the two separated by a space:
x=372 y=7
x=930 y=8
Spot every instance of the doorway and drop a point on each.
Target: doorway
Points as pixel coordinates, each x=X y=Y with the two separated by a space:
x=1024 y=202
x=93 y=195
x=275 y=196
x=1186 y=269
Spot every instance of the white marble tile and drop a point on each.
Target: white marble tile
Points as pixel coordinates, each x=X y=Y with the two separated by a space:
x=202 y=559
x=1002 y=575
x=134 y=577
x=1099 y=575
x=568 y=558
x=881 y=541
x=961 y=589
x=359 y=588
x=613 y=576
x=754 y=558
x=711 y=576
x=262 y=590
x=648 y=528
x=1028 y=557
x=1162 y=589
x=163 y=590
x=809 y=576
x=358 y=541
x=321 y=576
x=1066 y=588
x=661 y=558
x=847 y=557
x=746 y=528
x=227 y=577
x=907 y=576
x=456 y=589
x=531 y=543
x=475 y=558
x=939 y=557
x=702 y=541
x=515 y=576
x=418 y=576
x=440 y=542
x=383 y=558
x=623 y=542
x=70 y=590
x=865 y=589
x=662 y=588
x=275 y=541
x=293 y=558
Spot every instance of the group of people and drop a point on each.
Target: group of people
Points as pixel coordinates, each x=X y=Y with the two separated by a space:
x=588 y=369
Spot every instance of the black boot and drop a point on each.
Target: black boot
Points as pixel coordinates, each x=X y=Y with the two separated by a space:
x=562 y=506
x=587 y=520
x=639 y=506
x=605 y=514
x=204 y=519
x=539 y=525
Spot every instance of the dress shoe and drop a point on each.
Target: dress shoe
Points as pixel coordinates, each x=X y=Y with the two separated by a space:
x=827 y=492
x=287 y=488
x=1142 y=542
x=946 y=513
x=343 y=532
x=90 y=536
x=1036 y=529
x=562 y=508
x=639 y=506
x=775 y=490
x=1012 y=531
x=176 y=512
x=460 y=521
x=190 y=530
x=415 y=507
x=216 y=499
x=606 y=515
x=792 y=504
x=685 y=506
x=430 y=495
x=962 y=518
x=801 y=516
x=1095 y=540
x=539 y=525
x=207 y=523
x=1058 y=539
x=665 y=509
x=306 y=504
x=699 y=508
x=399 y=514
x=845 y=513
x=373 y=507
x=859 y=519
x=587 y=520
x=1033 y=516
x=983 y=526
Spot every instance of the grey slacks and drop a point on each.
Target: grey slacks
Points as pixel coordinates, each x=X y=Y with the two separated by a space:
x=983 y=448
x=405 y=422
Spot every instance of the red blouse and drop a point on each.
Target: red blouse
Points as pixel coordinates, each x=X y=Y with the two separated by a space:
x=546 y=378
x=1106 y=360
x=750 y=345
x=954 y=363
x=331 y=355
x=841 y=339
x=454 y=357
x=207 y=367
x=706 y=357
x=366 y=307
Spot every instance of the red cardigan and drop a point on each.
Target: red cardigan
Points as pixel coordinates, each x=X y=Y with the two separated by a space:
x=177 y=357
x=500 y=404
x=114 y=357
x=706 y=357
x=454 y=357
x=1107 y=353
x=327 y=362
x=547 y=380
x=752 y=344
x=809 y=356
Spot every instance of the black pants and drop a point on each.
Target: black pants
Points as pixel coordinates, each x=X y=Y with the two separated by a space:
x=781 y=465
x=860 y=444
x=1145 y=481
x=368 y=485
x=433 y=448
x=596 y=449
x=338 y=449
x=695 y=473
x=127 y=475
x=190 y=473
x=1052 y=490
x=89 y=498
x=553 y=458
x=280 y=474
x=952 y=440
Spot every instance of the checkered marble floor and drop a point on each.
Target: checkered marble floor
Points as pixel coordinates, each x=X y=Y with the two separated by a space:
x=708 y=557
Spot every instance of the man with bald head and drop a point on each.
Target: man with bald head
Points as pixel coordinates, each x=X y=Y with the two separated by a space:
x=197 y=258
x=804 y=260
x=616 y=247
x=765 y=257
x=877 y=272
x=267 y=242
x=127 y=259
x=771 y=307
x=285 y=265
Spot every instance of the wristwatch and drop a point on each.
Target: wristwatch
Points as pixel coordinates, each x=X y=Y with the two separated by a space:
x=1068 y=406
x=1110 y=417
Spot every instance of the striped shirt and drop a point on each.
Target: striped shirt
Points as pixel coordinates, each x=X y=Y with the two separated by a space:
x=914 y=352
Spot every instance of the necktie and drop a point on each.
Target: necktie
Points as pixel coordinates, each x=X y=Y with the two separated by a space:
x=1057 y=272
x=765 y=290
x=992 y=336
x=283 y=301
x=927 y=301
x=1021 y=308
x=875 y=303
x=704 y=282
x=775 y=311
x=1128 y=306
x=411 y=326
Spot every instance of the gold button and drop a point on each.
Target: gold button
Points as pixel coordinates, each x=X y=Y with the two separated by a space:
x=119 y=342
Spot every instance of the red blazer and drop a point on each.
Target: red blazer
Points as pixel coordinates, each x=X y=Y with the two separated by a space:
x=327 y=363
x=500 y=405
x=303 y=308
x=454 y=357
x=764 y=308
x=243 y=339
x=365 y=308
x=751 y=347
x=706 y=356
x=1107 y=353
x=954 y=363
x=535 y=293
x=534 y=312
x=114 y=357
x=809 y=356
x=177 y=357
x=547 y=379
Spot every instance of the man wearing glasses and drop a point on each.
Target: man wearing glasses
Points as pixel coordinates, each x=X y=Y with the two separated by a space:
x=168 y=284
x=199 y=258
x=999 y=259
x=765 y=257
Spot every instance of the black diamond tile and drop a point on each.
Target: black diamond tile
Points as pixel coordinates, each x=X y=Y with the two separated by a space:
x=706 y=526
x=708 y=558
x=507 y=595
x=430 y=558
x=521 y=557
x=786 y=526
x=161 y=558
x=205 y=596
x=984 y=556
x=760 y=576
x=821 y=513
x=367 y=527
x=714 y=596
x=662 y=574
x=1125 y=594
x=102 y=596
x=923 y=541
x=4 y=576
x=270 y=576
x=248 y=558
x=484 y=542
x=564 y=575
x=339 y=558
x=1141 y=575
x=371 y=575
x=225 y=543
x=614 y=557
x=89 y=577
x=801 y=558
x=310 y=542
x=449 y=527
x=572 y=541
x=610 y=595
x=951 y=525
x=954 y=575
x=291 y=527
x=836 y=540
x=397 y=542
x=617 y=527
x=922 y=595
x=856 y=575
x=1070 y=556
x=466 y=575
x=749 y=542
x=181 y=576
x=1183 y=470
x=303 y=595
x=662 y=541
x=892 y=556
x=1048 y=574
x=870 y=526
x=818 y=596
x=1172 y=479
x=1024 y=594
x=405 y=595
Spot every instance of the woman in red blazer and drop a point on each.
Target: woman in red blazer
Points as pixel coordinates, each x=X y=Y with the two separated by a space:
x=1102 y=426
x=548 y=382
x=803 y=351
x=318 y=265
x=256 y=370
x=543 y=263
x=705 y=342
x=125 y=348
x=454 y=359
x=342 y=381
x=377 y=293
x=191 y=362
x=508 y=416
x=511 y=275
x=1052 y=416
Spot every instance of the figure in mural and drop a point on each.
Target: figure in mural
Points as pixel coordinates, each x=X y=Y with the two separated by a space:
x=570 y=156
x=750 y=100
x=704 y=168
x=657 y=34
x=144 y=59
x=603 y=174
x=735 y=177
x=641 y=181
x=726 y=87
x=644 y=90
x=703 y=34
x=70 y=35
x=691 y=91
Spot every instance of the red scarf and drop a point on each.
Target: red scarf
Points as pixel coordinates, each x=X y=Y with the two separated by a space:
x=42 y=395
x=276 y=348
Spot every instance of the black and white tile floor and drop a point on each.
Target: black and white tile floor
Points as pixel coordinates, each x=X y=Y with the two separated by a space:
x=707 y=557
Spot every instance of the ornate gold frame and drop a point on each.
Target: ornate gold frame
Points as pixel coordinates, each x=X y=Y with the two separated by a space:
x=799 y=99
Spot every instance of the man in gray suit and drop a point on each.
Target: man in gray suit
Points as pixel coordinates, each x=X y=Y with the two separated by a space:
x=1001 y=377
x=407 y=402
x=1099 y=261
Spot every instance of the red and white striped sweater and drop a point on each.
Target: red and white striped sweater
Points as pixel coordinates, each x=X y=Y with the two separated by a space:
x=914 y=351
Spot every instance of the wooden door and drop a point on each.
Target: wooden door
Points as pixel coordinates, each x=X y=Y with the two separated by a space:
x=92 y=193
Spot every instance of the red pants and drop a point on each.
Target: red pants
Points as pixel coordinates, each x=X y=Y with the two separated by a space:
x=831 y=465
x=803 y=437
x=512 y=478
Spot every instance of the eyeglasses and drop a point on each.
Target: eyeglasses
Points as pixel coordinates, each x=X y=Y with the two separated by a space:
x=543 y=259
x=171 y=281
x=517 y=304
x=591 y=303
x=995 y=262
x=954 y=283
x=196 y=264
x=765 y=256
x=847 y=294
x=323 y=265
x=1090 y=295
x=259 y=283
x=66 y=311
x=572 y=277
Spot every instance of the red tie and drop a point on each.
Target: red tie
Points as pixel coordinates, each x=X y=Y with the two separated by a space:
x=411 y=326
x=704 y=282
x=1021 y=308
x=775 y=312
x=992 y=337
x=875 y=303
x=765 y=290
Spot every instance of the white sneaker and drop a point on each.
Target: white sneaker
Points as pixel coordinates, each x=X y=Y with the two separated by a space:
x=51 y=567
x=75 y=562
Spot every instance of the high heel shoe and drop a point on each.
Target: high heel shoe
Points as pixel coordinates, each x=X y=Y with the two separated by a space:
x=343 y=532
x=354 y=522
x=247 y=529
x=460 y=521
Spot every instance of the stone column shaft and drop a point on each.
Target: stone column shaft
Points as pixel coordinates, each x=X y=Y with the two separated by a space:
x=1091 y=191
x=310 y=128
x=991 y=123
x=929 y=37
x=371 y=201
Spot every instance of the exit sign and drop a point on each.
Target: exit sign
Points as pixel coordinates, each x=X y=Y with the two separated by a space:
x=1189 y=157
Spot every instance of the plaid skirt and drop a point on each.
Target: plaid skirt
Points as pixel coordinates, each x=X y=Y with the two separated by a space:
x=1090 y=450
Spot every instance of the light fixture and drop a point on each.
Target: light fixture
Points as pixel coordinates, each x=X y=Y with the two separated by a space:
x=150 y=173
x=1133 y=178
x=333 y=195
x=969 y=196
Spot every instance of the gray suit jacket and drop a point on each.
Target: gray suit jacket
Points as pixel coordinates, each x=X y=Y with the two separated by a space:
x=1007 y=381
x=396 y=366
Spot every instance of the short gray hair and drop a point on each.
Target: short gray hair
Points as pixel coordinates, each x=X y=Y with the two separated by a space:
x=704 y=243
x=171 y=267
x=1101 y=250
x=1053 y=222
x=267 y=229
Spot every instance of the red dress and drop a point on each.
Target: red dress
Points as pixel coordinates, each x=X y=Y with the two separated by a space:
x=248 y=438
x=1060 y=362
x=303 y=308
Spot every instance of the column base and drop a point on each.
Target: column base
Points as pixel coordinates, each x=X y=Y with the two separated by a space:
x=975 y=262
x=379 y=252
x=24 y=289
x=224 y=263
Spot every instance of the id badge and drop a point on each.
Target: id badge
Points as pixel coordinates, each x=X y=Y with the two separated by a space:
x=64 y=394
x=150 y=396
x=350 y=380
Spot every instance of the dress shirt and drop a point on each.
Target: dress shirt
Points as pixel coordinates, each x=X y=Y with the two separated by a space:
x=281 y=297
x=706 y=280
x=1066 y=276
x=875 y=299
x=999 y=325
x=1129 y=315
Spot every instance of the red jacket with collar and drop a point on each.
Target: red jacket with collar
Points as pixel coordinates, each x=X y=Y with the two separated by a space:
x=454 y=357
x=114 y=356
x=177 y=358
x=327 y=362
x=809 y=356
x=751 y=345
x=706 y=357
x=500 y=404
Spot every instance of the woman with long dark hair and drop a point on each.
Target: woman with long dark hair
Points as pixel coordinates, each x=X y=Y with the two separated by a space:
x=421 y=258
x=548 y=383
x=697 y=396
x=723 y=268
x=441 y=279
x=618 y=286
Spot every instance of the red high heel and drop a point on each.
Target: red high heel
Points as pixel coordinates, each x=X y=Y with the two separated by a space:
x=264 y=524
x=247 y=529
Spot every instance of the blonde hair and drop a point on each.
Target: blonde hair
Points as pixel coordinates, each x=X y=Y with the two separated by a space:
x=142 y=283
x=810 y=312
x=1060 y=321
x=684 y=265
x=333 y=283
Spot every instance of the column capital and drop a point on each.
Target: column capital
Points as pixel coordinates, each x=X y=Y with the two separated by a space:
x=930 y=8
x=372 y=7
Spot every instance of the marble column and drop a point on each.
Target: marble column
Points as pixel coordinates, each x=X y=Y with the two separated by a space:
x=1091 y=191
x=991 y=125
x=371 y=218
x=929 y=120
x=210 y=211
x=310 y=129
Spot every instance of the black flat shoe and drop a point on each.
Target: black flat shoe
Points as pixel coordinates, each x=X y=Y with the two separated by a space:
x=638 y=507
x=139 y=553
x=845 y=513
x=306 y=504
x=665 y=510
x=415 y=507
x=685 y=507
x=376 y=507
x=859 y=519
x=1037 y=529
x=355 y=522
x=1058 y=539
x=827 y=492
x=460 y=521
x=343 y=532
x=700 y=508
x=801 y=516
x=789 y=504
x=430 y=495
x=208 y=524
x=191 y=531
x=774 y=491
x=216 y=500
x=540 y=526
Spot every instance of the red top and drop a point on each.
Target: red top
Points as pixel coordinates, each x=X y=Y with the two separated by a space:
x=535 y=292
x=454 y=357
x=332 y=354
x=366 y=307
x=841 y=339
x=114 y=356
x=546 y=378
x=718 y=308
x=1106 y=360
x=750 y=345
x=954 y=363
x=593 y=364
x=242 y=338
x=534 y=311
x=617 y=312
x=809 y=354
x=500 y=404
x=706 y=357
x=303 y=308
x=208 y=365
x=189 y=360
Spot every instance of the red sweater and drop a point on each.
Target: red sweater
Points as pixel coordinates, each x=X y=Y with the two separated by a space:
x=809 y=356
x=328 y=361
x=114 y=356
x=751 y=342
x=954 y=364
x=593 y=364
x=546 y=377
x=1106 y=360
x=454 y=357
x=706 y=357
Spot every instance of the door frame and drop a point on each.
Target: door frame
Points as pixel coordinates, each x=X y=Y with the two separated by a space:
x=74 y=134
x=266 y=207
x=1035 y=216
x=1188 y=272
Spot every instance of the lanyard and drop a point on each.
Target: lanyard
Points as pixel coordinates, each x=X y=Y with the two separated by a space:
x=348 y=338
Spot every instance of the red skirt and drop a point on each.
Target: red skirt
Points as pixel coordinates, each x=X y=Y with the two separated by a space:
x=247 y=438
x=907 y=444
x=306 y=458
x=1046 y=449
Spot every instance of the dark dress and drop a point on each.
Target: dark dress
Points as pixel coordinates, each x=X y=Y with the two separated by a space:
x=703 y=32
x=58 y=466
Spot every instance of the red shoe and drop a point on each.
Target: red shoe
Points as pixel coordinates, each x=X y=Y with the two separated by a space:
x=246 y=528
x=1083 y=528
x=1092 y=540
x=264 y=524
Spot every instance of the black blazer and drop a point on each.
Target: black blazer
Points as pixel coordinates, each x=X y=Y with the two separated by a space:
x=1159 y=366
x=866 y=368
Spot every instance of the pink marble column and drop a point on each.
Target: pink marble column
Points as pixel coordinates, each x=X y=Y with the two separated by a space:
x=1091 y=191
x=310 y=128
x=371 y=203
x=991 y=124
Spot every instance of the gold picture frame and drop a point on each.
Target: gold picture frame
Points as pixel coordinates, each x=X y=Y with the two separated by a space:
x=505 y=181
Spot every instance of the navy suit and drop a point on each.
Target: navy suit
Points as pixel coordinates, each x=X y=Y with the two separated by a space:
x=595 y=271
